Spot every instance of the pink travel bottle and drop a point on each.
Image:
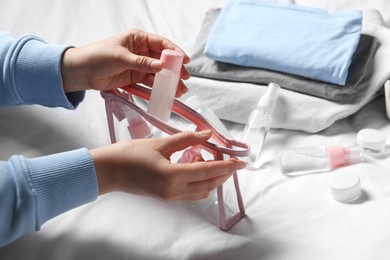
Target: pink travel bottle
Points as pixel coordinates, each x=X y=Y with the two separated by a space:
x=165 y=85
x=304 y=160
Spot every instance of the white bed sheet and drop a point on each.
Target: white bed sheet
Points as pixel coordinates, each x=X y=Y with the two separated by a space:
x=287 y=218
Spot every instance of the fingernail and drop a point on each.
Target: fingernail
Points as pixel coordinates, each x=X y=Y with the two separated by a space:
x=156 y=64
x=240 y=164
x=205 y=132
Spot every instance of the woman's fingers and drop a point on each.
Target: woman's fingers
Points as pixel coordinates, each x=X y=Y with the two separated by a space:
x=182 y=140
x=201 y=187
x=203 y=171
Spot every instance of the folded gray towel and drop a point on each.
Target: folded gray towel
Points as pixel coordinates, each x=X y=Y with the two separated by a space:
x=361 y=65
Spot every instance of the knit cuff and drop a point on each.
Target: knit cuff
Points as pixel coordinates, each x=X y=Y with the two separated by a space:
x=36 y=74
x=62 y=182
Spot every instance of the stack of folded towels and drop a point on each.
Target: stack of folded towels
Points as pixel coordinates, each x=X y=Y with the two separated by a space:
x=312 y=52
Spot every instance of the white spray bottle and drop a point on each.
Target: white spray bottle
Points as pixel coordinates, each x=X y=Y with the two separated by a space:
x=258 y=124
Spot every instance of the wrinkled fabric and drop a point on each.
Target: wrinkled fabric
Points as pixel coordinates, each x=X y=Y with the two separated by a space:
x=361 y=66
x=302 y=41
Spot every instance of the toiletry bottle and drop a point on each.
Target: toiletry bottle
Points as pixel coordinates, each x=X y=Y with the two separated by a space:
x=194 y=103
x=209 y=204
x=304 y=160
x=137 y=127
x=165 y=85
x=259 y=123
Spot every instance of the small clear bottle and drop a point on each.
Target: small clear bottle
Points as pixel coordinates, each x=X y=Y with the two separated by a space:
x=305 y=160
x=137 y=127
x=209 y=203
x=259 y=122
x=194 y=103
x=165 y=85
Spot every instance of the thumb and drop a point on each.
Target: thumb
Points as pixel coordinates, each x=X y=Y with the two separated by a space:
x=181 y=141
x=144 y=63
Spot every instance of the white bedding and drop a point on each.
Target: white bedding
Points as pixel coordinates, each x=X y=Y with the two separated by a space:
x=287 y=218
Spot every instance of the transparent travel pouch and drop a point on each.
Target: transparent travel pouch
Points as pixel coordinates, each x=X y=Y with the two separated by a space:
x=127 y=119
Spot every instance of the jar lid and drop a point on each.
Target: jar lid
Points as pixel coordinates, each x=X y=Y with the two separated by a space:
x=345 y=187
x=371 y=139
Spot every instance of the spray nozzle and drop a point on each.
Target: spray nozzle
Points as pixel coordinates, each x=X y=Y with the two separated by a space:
x=268 y=100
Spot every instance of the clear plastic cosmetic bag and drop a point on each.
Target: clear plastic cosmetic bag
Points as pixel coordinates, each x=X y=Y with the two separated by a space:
x=127 y=119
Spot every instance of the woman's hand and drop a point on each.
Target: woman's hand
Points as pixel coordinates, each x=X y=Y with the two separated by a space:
x=143 y=167
x=131 y=57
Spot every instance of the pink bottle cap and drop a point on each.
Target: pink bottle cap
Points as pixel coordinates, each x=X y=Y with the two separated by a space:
x=189 y=155
x=172 y=60
x=138 y=128
x=336 y=156
x=340 y=156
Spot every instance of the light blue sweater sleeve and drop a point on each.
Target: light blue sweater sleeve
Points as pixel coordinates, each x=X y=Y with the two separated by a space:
x=34 y=190
x=31 y=73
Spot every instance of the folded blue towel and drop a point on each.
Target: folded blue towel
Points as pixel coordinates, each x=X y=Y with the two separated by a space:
x=302 y=41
